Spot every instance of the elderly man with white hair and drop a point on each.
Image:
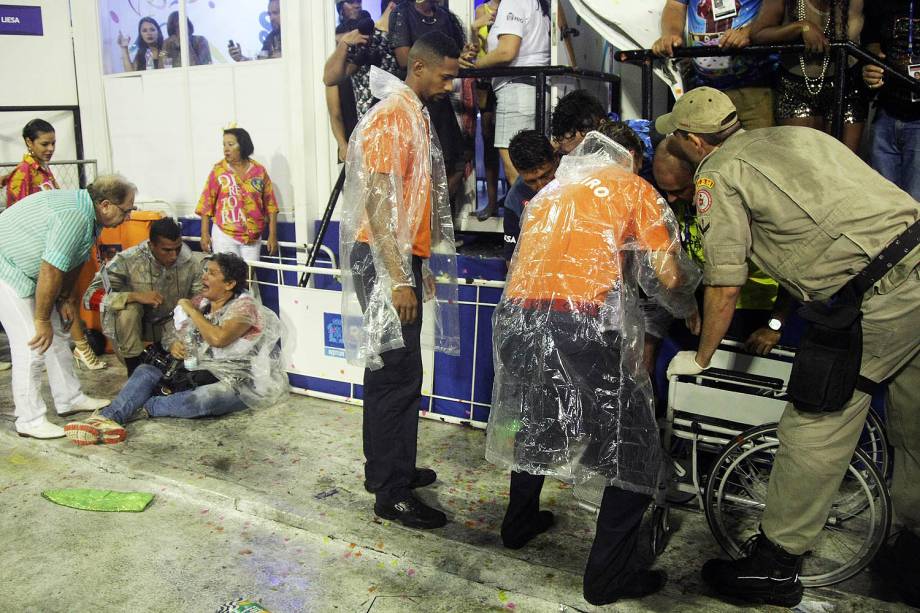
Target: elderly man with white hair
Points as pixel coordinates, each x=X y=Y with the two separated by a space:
x=44 y=242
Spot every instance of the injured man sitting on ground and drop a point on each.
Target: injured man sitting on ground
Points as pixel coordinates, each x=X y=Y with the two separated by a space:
x=570 y=397
x=138 y=290
x=226 y=358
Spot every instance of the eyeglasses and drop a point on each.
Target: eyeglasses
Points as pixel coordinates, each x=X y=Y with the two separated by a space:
x=125 y=212
x=565 y=137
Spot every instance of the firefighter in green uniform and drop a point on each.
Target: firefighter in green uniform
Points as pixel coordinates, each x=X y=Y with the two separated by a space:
x=811 y=215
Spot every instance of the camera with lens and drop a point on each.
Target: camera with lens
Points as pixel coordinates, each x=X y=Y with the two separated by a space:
x=162 y=359
x=176 y=378
x=363 y=55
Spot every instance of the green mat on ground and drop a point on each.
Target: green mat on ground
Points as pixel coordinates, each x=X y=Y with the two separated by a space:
x=99 y=500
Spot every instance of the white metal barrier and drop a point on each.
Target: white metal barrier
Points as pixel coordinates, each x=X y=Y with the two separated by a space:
x=314 y=348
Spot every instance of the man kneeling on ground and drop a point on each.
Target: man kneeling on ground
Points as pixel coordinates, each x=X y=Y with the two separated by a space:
x=570 y=397
x=138 y=290
x=229 y=344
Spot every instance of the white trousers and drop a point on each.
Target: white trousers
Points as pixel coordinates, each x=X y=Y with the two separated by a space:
x=222 y=243
x=16 y=315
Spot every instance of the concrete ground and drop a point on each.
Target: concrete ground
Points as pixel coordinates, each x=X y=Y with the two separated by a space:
x=270 y=505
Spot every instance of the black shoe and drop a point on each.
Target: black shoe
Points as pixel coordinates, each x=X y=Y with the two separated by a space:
x=766 y=575
x=545 y=520
x=642 y=583
x=421 y=478
x=411 y=512
x=898 y=566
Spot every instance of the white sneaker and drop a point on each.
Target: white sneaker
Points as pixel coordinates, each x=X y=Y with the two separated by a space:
x=46 y=429
x=86 y=405
x=5 y=365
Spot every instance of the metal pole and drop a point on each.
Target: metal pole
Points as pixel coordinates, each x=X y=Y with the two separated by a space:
x=616 y=97
x=840 y=84
x=839 y=16
x=78 y=138
x=540 y=117
x=891 y=72
x=648 y=83
x=323 y=226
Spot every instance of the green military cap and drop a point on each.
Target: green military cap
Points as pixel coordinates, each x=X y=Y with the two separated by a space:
x=703 y=110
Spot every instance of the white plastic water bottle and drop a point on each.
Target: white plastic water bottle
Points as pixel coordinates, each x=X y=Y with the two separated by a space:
x=149 y=58
x=191 y=347
x=167 y=61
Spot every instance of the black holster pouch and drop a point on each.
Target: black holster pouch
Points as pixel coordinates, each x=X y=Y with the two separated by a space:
x=825 y=372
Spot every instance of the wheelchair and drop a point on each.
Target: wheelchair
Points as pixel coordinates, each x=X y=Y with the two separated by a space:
x=721 y=431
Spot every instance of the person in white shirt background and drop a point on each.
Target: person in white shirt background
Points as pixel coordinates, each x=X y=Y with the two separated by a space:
x=519 y=37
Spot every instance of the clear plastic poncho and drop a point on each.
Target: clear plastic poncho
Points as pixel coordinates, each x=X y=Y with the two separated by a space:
x=251 y=365
x=570 y=396
x=395 y=193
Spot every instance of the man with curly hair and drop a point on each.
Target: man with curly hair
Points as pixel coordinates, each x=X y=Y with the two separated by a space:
x=576 y=114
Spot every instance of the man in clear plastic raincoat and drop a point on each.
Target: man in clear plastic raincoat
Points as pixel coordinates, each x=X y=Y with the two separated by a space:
x=396 y=240
x=571 y=398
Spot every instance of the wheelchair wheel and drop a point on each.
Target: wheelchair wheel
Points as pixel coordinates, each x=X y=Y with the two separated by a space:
x=856 y=527
x=874 y=442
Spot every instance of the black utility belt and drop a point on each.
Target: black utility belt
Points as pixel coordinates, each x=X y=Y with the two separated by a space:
x=825 y=373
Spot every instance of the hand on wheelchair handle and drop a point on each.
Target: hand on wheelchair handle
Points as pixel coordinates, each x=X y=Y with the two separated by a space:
x=762 y=341
x=684 y=363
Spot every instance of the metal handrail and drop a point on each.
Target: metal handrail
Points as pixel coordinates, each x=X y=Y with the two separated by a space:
x=298 y=247
x=641 y=55
x=542 y=73
x=53 y=162
x=841 y=50
x=337 y=272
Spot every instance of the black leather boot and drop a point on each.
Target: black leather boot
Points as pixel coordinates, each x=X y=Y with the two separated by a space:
x=766 y=575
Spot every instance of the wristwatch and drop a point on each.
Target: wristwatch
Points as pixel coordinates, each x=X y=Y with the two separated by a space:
x=775 y=324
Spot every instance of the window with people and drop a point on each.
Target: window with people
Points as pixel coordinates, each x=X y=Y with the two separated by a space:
x=148 y=35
